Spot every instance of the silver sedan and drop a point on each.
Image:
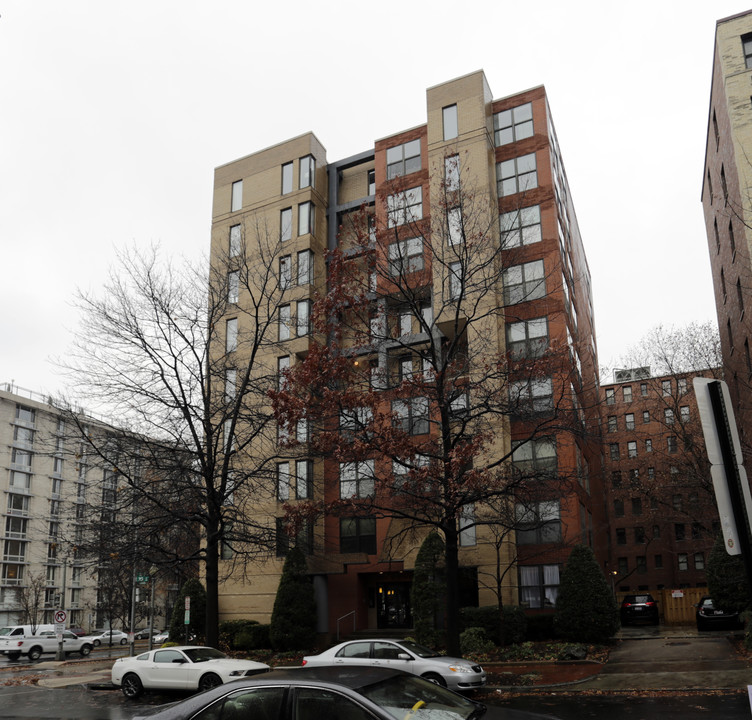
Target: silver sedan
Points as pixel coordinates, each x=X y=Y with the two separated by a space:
x=454 y=673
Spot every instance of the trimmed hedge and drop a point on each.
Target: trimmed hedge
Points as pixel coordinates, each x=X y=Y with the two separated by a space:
x=487 y=617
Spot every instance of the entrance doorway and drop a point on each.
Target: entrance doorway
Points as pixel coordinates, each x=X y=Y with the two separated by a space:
x=393 y=605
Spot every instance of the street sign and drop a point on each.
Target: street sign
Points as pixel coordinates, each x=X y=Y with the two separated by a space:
x=142 y=578
x=61 y=616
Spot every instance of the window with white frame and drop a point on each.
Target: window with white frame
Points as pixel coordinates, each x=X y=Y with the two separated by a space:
x=285 y=224
x=236 y=202
x=452 y=173
x=404 y=207
x=411 y=415
x=231 y=335
x=284 y=322
x=305 y=267
x=356 y=479
x=406 y=256
x=538 y=522
x=450 y=124
x=235 y=241
x=527 y=338
x=307 y=171
x=539 y=586
x=233 y=286
x=287 y=178
x=520 y=227
x=517 y=175
x=455 y=229
x=524 y=282
x=513 y=125
x=303 y=316
x=403 y=159
x=306 y=218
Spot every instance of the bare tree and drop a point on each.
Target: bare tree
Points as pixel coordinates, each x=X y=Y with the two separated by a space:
x=31 y=599
x=173 y=354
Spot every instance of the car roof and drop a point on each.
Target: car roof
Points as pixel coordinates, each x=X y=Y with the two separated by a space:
x=351 y=676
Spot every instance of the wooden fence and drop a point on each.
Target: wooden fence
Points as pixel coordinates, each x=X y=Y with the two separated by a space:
x=676 y=607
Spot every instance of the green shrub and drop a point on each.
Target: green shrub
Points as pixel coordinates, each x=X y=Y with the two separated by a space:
x=229 y=630
x=586 y=610
x=727 y=579
x=293 y=625
x=512 y=630
x=428 y=592
x=474 y=640
x=514 y=627
x=255 y=637
x=540 y=627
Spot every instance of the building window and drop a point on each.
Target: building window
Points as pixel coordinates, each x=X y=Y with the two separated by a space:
x=231 y=379
x=25 y=415
x=19 y=504
x=629 y=421
x=636 y=506
x=237 y=196
x=724 y=186
x=646 y=416
x=626 y=393
x=684 y=413
x=632 y=449
x=644 y=389
x=231 y=335
x=285 y=272
x=357 y=535
x=671 y=444
x=535 y=395
x=539 y=586
x=306 y=218
x=285 y=224
x=411 y=415
x=283 y=481
x=284 y=322
x=455 y=231
x=623 y=565
x=618 y=508
x=287 y=178
x=732 y=239
x=512 y=125
x=616 y=478
x=527 y=338
x=668 y=416
x=535 y=457
x=452 y=173
x=449 y=117
x=356 y=479
x=303 y=317
x=524 y=282
x=516 y=175
x=303 y=539
x=610 y=396
x=233 y=286
x=699 y=559
x=648 y=445
x=538 y=522
x=467 y=526
x=305 y=267
x=666 y=388
x=683 y=561
x=355 y=420
x=235 y=241
x=307 y=171
x=520 y=227
x=621 y=536
x=404 y=207
x=612 y=423
x=371 y=182
x=639 y=535
x=680 y=531
x=614 y=451
x=455 y=280
x=403 y=159
x=406 y=256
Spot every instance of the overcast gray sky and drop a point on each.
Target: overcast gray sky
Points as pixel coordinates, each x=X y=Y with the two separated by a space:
x=113 y=116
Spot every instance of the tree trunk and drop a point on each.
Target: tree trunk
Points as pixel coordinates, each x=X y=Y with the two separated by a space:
x=211 y=565
x=452 y=590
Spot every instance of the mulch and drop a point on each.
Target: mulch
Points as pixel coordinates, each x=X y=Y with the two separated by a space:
x=540 y=673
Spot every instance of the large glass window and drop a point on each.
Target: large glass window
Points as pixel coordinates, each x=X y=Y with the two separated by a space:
x=235 y=241
x=539 y=586
x=524 y=282
x=406 y=256
x=287 y=178
x=303 y=317
x=455 y=280
x=285 y=224
x=403 y=159
x=405 y=207
x=305 y=267
x=307 y=171
x=283 y=481
x=231 y=335
x=285 y=272
x=303 y=479
x=356 y=479
x=284 y=322
x=455 y=231
x=306 y=218
x=747 y=49
x=512 y=125
x=517 y=175
x=535 y=456
x=411 y=415
x=520 y=227
x=452 y=173
x=357 y=535
x=233 y=286
x=538 y=522
x=532 y=395
x=449 y=117
x=527 y=338
x=237 y=196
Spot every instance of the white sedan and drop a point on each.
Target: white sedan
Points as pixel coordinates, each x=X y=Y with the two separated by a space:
x=454 y=673
x=188 y=667
x=110 y=637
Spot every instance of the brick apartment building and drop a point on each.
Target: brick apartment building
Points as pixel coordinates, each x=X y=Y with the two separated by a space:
x=727 y=177
x=507 y=151
x=662 y=515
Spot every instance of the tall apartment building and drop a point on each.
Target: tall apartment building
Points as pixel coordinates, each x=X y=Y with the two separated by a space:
x=45 y=494
x=662 y=514
x=507 y=153
x=727 y=205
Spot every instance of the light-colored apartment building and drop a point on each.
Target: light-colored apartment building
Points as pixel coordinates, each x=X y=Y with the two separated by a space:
x=416 y=190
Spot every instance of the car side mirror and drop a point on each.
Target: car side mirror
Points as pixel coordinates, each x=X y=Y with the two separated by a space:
x=403 y=656
x=179 y=661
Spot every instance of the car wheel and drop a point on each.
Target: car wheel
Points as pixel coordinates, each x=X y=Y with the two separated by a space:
x=97 y=643
x=123 y=641
x=209 y=681
x=14 y=655
x=35 y=653
x=131 y=686
x=435 y=678
x=85 y=650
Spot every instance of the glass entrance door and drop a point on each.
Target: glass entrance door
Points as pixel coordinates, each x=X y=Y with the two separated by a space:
x=393 y=605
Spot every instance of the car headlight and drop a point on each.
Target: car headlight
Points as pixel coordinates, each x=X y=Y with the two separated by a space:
x=237 y=673
x=461 y=668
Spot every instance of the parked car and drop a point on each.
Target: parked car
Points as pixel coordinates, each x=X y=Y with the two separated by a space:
x=641 y=607
x=110 y=637
x=313 y=693
x=451 y=672
x=161 y=637
x=141 y=634
x=708 y=616
x=77 y=631
x=187 y=667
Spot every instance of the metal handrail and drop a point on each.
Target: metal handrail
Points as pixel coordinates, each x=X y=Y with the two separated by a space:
x=353 y=613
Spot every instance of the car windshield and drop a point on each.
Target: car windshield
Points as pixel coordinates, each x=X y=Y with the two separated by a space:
x=202 y=654
x=406 y=696
x=419 y=650
x=5 y=630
